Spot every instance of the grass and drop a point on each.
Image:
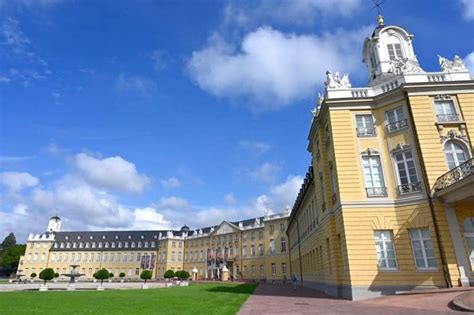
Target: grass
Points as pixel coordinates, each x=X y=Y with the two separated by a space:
x=195 y=299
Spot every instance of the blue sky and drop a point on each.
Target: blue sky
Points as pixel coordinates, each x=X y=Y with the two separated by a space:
x=152 y=114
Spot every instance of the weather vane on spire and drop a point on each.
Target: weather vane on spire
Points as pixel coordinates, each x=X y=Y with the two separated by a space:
x=377 y=5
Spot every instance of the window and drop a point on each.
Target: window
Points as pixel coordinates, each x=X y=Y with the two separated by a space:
x=365 y=126
x=252 y=250
x=455 y=153
x=272 y=246
x=282 y=227
x=274 y=269
x=260 y=249
x=272 y=228
x=283 y=244
x=137 y=271
x=446 y=111
x=260 y=235
x=173 y=256
x=408 y=180
x=385 y=250
x=395 y=51
x=284 y=268
x=422 y=248
x=253 y=270
x=262 y=270
x=244 y=251
x=395 y=119
x=138 y=257
x=374 y=184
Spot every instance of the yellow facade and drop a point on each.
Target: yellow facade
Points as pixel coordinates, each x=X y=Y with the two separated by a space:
x=371 y=218
x=256 y=250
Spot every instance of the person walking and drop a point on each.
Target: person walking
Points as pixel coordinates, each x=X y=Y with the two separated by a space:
x=293 y=281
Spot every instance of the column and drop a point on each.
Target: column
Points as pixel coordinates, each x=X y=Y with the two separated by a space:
x=458 y=243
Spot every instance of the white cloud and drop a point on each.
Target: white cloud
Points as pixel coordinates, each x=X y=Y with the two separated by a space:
x=255 y=146
x=285 y=193
x=229 y=199
x=469 y=61
x=17 y=181
x=113 y=173
x=135 y=83
x=149 y=218
x=468 y=9
x=20 y=209
x=171 y=182
x=294 y=12
x=173 y=203
x=271 y=69
x=82 y=204
x=265 y=172
x=158 y=59
x=20 y=47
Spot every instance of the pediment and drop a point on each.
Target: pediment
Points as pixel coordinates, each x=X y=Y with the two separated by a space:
x=225 y=228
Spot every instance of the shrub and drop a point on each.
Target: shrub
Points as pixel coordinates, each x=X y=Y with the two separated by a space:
x=169 y=274
x=101 y=275
x=33 y=275
x=122 y=275
x=182 y=274
x=56 y=275
x=47 y=274
x=145 y=275
x=111 y=275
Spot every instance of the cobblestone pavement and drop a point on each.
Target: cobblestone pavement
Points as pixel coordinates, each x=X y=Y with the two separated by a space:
x=277 y=299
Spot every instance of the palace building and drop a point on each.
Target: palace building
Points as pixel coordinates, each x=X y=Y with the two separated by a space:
x=252 y=249
x=387 y=204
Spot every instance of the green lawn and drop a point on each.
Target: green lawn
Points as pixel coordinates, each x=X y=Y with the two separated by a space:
x=195 y=299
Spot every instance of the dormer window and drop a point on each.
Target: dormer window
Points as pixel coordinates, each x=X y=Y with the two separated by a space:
x=394 y=51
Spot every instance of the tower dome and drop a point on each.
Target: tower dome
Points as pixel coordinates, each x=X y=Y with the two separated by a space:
x=185 y=228
x=388 y=52
x=54 y=224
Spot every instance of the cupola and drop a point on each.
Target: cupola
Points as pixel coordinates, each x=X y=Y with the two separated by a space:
x=54 y=224
x=389 y=52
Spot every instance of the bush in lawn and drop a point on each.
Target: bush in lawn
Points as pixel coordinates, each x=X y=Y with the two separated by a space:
x=101 y=275
x=145 y=275
x=33 y=275
x=122 y=275
x=46 y=275
x=111 y=275
x=56 y=275
x=169 y=274
x=182 y=274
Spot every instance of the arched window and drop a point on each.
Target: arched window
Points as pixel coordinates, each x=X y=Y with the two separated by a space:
x=455 y=153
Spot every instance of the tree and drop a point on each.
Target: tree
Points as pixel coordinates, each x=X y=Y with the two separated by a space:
x=146 y=275
x=101 y=275
x=122 y=275
x=111 y=275
x=47 y=274
x=8 y=242
x=182 y=274
x=33 y=275
x=10 y=257
x=56 y=275
x=169 y=274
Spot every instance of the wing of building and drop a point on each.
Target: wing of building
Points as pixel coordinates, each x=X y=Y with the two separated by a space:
x=388 y=202
x=249 y=249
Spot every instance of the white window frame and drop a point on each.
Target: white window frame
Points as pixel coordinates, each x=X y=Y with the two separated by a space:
x=454 y=152
x=399 y=123
x=410 y=184
x=370 y=157
x=367 y=131
x=421 y=239
x=384 y=242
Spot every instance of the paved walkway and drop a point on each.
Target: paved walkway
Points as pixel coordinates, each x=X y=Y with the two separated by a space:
x=276 y=299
